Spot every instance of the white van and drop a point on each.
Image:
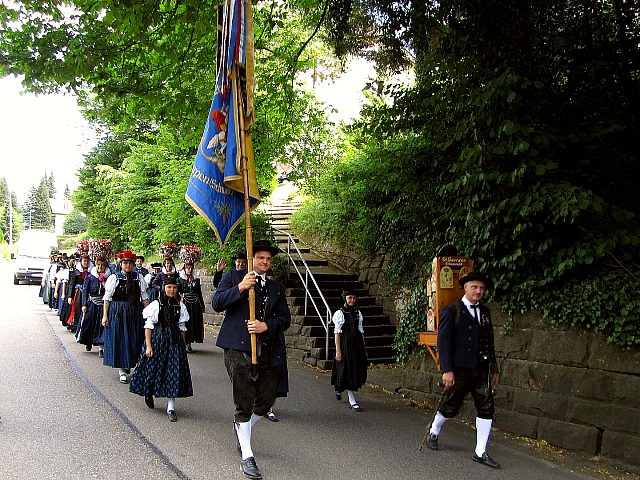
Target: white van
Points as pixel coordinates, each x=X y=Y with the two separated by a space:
x=32 y=259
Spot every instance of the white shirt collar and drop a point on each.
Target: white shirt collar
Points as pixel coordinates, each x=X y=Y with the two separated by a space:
x=468 y=304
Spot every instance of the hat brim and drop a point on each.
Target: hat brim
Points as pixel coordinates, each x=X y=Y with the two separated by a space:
x=475 y=277
x=261 y=248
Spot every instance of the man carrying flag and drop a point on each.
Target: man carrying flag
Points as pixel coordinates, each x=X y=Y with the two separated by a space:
x=222 y=188
x=253 y=392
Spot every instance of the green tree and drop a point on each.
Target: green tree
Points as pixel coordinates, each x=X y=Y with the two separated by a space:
x=75 y=222
x=51 y=184
x=18 y=225
x=37 y=209
x=144 y=73
x=90 y=197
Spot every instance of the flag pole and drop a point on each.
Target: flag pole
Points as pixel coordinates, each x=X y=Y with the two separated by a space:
x=244 y=164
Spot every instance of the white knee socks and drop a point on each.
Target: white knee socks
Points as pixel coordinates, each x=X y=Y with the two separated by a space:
x=437 y=424
x=483 y=429
x=171 y=404
x=352 y=397
x=244 y=437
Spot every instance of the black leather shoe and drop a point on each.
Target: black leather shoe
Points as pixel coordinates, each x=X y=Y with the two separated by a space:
x=356 y=408
x=486 y=460
x=148 y=399
x=172 y=416
x=101 y=353
x=250 y=469
x=338 y=396
x=88 y=348
x=432 y=441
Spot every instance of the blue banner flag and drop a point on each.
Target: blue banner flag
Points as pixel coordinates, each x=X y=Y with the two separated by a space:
x=216 y=186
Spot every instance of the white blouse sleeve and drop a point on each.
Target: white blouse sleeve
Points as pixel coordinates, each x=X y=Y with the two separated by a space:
x=62 y=275
x=150 y=314
x=184 y=317
x=338 y=321
x=360 y=320
x=110 y=287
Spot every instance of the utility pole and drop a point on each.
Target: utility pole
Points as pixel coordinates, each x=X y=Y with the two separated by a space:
x=10 y=220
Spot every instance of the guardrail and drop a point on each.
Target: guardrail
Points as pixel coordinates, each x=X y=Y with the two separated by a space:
x=307 y=278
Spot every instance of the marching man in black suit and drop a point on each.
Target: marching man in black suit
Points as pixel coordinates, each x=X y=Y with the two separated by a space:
x=468 y=364
x=252 y=397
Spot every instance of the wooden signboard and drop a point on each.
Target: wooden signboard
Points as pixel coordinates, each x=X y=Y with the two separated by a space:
x=443 y=289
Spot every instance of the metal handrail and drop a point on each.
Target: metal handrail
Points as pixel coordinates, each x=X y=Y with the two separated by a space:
x=305 y=282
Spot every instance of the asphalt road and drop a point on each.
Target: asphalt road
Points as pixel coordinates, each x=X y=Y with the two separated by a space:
x=65 y=415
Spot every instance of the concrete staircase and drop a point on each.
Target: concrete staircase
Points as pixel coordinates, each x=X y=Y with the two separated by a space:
x=306 y=337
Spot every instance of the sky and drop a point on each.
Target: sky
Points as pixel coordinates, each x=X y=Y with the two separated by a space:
x=47 y=133
x=345 y=92
x=40 y=134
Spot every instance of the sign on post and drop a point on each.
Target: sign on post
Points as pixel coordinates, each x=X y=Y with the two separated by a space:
x=443 y=288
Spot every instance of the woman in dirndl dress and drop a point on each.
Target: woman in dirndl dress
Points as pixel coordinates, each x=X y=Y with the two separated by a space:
x=122 y=317
x=74 y=296
x=167 y=251
x=90 y=330
x=349 y=371
x=190 y=293
x=63 y=282
x=163 y=367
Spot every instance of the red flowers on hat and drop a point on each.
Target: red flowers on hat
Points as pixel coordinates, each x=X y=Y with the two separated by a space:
x=129 y=256
x=190 y=254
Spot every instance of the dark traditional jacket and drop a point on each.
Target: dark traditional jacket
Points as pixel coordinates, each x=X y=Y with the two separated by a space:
x=233 y=332
x=141 y=271
x=463 y=344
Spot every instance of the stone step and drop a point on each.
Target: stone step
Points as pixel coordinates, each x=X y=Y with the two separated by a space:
x=312 y=262
x=372 y=352
x=383 y=341
x=282 y=245
x=332 y=295
x=306 y=337
x=283 y=205
x=326 y=278
x=369 y=312
x=296 y=297
x=373 y=330
x=281 y=238
x=312 y=319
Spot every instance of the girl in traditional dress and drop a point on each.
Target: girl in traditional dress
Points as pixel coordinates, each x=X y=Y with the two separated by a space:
x=90 y=330
x=74 y=296
x=62 y=290
x=190 y=293
x=122 y=316
x=167 y=251
x=349 y=371
x=163 y=368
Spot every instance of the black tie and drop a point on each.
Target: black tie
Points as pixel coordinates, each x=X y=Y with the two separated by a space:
x=475 y=312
